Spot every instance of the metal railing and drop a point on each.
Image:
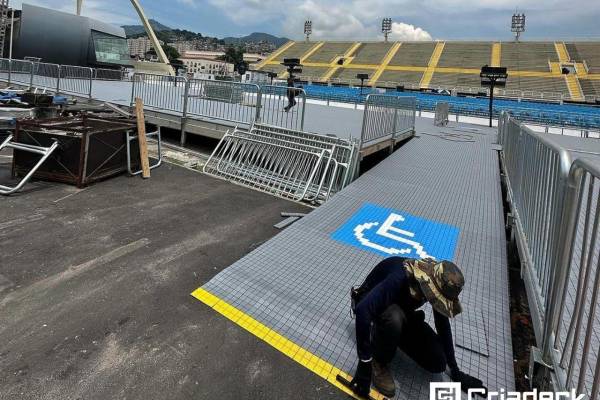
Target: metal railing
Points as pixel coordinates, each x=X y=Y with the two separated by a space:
x=76 y=80
x=556 y=210
x=223 y=100
x=536 y=171
x=387 y=118
x=571 y=336
x=160 y=92
x=45 y=75
x=105 y=74
x=273 y=106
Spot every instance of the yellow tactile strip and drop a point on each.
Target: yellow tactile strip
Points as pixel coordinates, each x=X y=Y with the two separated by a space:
x=305 y=358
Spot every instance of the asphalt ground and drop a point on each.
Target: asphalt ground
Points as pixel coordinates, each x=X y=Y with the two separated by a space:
x=95 y=292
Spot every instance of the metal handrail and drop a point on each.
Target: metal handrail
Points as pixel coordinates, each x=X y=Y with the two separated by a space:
x=385 y=117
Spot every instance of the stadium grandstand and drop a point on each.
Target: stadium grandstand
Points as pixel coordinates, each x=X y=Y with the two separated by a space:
x=452 y=65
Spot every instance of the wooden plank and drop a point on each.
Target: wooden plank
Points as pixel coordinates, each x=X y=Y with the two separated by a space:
x=141 y=130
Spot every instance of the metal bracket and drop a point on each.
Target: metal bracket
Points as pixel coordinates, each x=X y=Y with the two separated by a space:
x=540 y=372
x=45 y=152
x=131 y=138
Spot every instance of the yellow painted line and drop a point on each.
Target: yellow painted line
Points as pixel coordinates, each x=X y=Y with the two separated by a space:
x=561 y=52
x=277 y=53
x=384 y=63
x=433 y=61
x=405 y=68
x=310 y=52
x=303 y=357
x=496 y=54
x=595 y=77
x=348 y=57
x=450 y=70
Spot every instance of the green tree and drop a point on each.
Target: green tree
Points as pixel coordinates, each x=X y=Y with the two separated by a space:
x=233 y=55
x=171 y=52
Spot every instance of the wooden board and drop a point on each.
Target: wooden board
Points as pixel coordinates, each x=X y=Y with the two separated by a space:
x=141 y=130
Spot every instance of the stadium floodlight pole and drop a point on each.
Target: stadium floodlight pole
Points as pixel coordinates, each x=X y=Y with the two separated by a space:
x=492 y=77
x=386 y=27
x=308 y=29
x=517 y=25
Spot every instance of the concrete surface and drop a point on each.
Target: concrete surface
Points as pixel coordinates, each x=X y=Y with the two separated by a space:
x=95 y=292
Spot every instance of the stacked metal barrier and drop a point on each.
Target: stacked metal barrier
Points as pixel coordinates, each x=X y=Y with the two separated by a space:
x=295 y=165
x=554 y=203
x=387 y=118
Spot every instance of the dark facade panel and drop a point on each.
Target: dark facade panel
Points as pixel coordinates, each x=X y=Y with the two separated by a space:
x=63 y=38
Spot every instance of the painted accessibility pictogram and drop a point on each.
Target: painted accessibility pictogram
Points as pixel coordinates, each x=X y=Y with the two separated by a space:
x=390 y=232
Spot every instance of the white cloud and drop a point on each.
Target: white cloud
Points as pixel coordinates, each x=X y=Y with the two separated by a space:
x=191 y=3
x=402 y=31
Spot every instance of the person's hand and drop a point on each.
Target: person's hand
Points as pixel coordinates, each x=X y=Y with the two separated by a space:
x=361 y=383
x=467 y=381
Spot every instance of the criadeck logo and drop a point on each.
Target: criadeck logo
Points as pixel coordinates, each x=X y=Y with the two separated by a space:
x=452 y=391
x=444 y=391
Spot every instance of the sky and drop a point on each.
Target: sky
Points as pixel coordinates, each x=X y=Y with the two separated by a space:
x=355 y=19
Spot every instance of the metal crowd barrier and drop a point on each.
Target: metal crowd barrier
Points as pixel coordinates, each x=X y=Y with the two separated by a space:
x=76 y=80
x=272 y=107
x=386 y=118
x=556 y=211
x=105 y=74
x=224 y=100
x=45 y=75
x=442 y=110
x=160 y=92
x=536 y=171
x=295 y=165
x=572 y=335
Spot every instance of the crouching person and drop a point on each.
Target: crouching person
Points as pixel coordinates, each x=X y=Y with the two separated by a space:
x=388 y=317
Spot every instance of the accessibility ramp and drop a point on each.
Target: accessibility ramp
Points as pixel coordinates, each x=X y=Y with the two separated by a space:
x=438 y=195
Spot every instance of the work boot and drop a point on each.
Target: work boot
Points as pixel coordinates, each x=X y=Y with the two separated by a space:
x=383 y=380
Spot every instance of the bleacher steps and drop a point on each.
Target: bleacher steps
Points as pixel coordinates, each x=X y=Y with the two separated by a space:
x=561 y=51
x=384 y=63
x=433 y=62
x=275 y=54
x=333 y=67
x=574 y=87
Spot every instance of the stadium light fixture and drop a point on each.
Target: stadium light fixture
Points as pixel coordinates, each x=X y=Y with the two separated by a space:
x=362 y=78
x=492 y=77
x=386 y=27
x=308 y=29
x=518 y=25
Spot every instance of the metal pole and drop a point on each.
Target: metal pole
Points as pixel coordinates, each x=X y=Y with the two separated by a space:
x=184 y=111
x=12 y=24
x=91 y=80
x=491 y=100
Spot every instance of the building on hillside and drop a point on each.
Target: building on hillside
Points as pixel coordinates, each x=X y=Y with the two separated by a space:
x=250 y=58
x=68 y=39
x=139 y=47
x=200 y=67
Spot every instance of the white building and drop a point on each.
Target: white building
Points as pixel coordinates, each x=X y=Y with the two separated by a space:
x=139 y=46
x=250 y=58
x=201 y=67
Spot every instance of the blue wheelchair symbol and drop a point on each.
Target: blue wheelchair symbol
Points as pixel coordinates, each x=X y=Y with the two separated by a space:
x=390 y=232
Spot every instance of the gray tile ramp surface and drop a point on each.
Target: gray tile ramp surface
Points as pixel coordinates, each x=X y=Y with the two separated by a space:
x=298 y=282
